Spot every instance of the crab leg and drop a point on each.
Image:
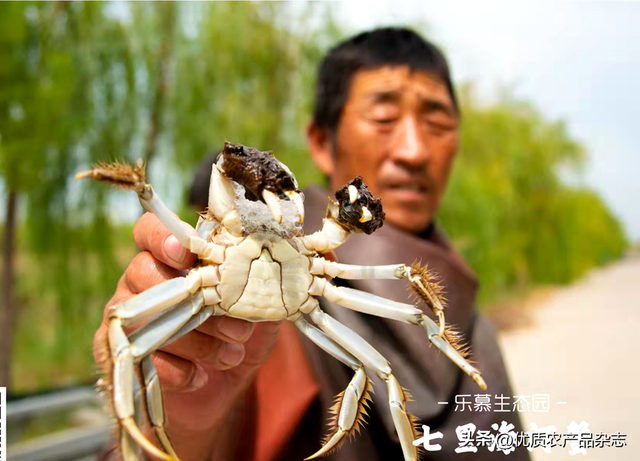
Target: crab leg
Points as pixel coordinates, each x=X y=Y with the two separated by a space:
x=155 y=205
x=165 y=295
x=165 y=329
x=330 y=237
x=375 y=305
x=371 y=358
x=156 y=299
x=194 y=322
x=420 y=278
x=349 y=410
x=133 y=178
x=327 y=344
x=153 y=406
x=321 y=266
x=125 y=352
x=153 y=334
x=207 y=251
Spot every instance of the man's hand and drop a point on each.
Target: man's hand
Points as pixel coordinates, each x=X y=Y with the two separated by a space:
x=206 y=372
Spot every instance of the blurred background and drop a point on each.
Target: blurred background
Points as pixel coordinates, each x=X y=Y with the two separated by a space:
x=543 y=193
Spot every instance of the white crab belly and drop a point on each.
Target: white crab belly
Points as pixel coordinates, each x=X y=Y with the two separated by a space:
x=264 y=281
x=262 y=295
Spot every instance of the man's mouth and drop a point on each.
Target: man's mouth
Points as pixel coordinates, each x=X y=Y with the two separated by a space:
x=415 y=187
x=408 y=188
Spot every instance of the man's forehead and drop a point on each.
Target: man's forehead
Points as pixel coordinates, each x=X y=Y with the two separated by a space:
x=371 y=84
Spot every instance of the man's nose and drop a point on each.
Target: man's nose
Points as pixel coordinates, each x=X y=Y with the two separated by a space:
x=409 y=145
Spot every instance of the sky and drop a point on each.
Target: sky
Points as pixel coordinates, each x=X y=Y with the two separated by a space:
x=577 y=61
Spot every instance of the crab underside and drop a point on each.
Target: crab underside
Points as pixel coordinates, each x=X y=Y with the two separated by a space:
x=256 y=264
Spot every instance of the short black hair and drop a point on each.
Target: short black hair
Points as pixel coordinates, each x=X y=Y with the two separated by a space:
x=199 y=191
x=390 y=46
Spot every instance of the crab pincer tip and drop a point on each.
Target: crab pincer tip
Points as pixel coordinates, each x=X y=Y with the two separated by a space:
x=130 y=426
x=272 y=201
x=478 y=379
x=296 y=198
x=330 y=445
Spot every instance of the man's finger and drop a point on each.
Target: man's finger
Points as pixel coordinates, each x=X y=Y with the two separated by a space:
x=177 y=374
x=207 y=351
x=261 y=342
x=228 y=329
x=146 y=271
x=150 y=234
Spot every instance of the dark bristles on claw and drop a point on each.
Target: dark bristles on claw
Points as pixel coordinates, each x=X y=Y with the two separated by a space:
x=416 y=427
x=118 y=174
x=434 y=291
x=256 y=171
x=432 y=283
x=359 y=423
x=351 y=209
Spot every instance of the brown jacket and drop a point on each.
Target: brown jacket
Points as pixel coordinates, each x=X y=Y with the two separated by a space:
x=291 y=396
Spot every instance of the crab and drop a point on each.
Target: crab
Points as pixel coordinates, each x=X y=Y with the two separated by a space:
x=255 y=263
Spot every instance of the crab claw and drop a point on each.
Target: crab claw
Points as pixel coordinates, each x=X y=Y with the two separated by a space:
x=366 y=215
x=273 y=203
x=296 y=198
x=356 y=209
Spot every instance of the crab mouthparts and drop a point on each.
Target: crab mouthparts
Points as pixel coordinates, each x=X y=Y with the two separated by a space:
x=273 y=202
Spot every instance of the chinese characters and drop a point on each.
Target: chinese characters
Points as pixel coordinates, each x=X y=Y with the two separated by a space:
x=499 y=403
x=503 y=438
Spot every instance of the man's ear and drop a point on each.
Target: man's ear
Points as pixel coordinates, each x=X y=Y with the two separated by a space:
x=321 y=148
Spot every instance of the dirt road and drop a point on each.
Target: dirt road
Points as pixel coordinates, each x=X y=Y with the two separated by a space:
x=583 y=348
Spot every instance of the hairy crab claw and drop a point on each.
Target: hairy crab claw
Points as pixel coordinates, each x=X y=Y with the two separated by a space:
x=254 y=270
x=263 y=177
x=356 y=208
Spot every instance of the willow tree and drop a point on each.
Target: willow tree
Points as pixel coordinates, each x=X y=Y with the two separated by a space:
x=244 y=72
x=33 y=94
x=63 y=92
x=85 y=82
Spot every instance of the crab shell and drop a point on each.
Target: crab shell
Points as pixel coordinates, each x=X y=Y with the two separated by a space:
x=255 y=264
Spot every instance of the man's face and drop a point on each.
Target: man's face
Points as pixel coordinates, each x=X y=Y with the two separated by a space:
x=399 y=129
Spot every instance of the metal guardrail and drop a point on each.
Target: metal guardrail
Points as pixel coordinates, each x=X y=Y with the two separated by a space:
x=56 y=401
x=72 y=444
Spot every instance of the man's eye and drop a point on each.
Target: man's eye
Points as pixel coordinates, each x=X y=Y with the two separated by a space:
x=439 y=125
x=385 y=120
x=437 y=130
